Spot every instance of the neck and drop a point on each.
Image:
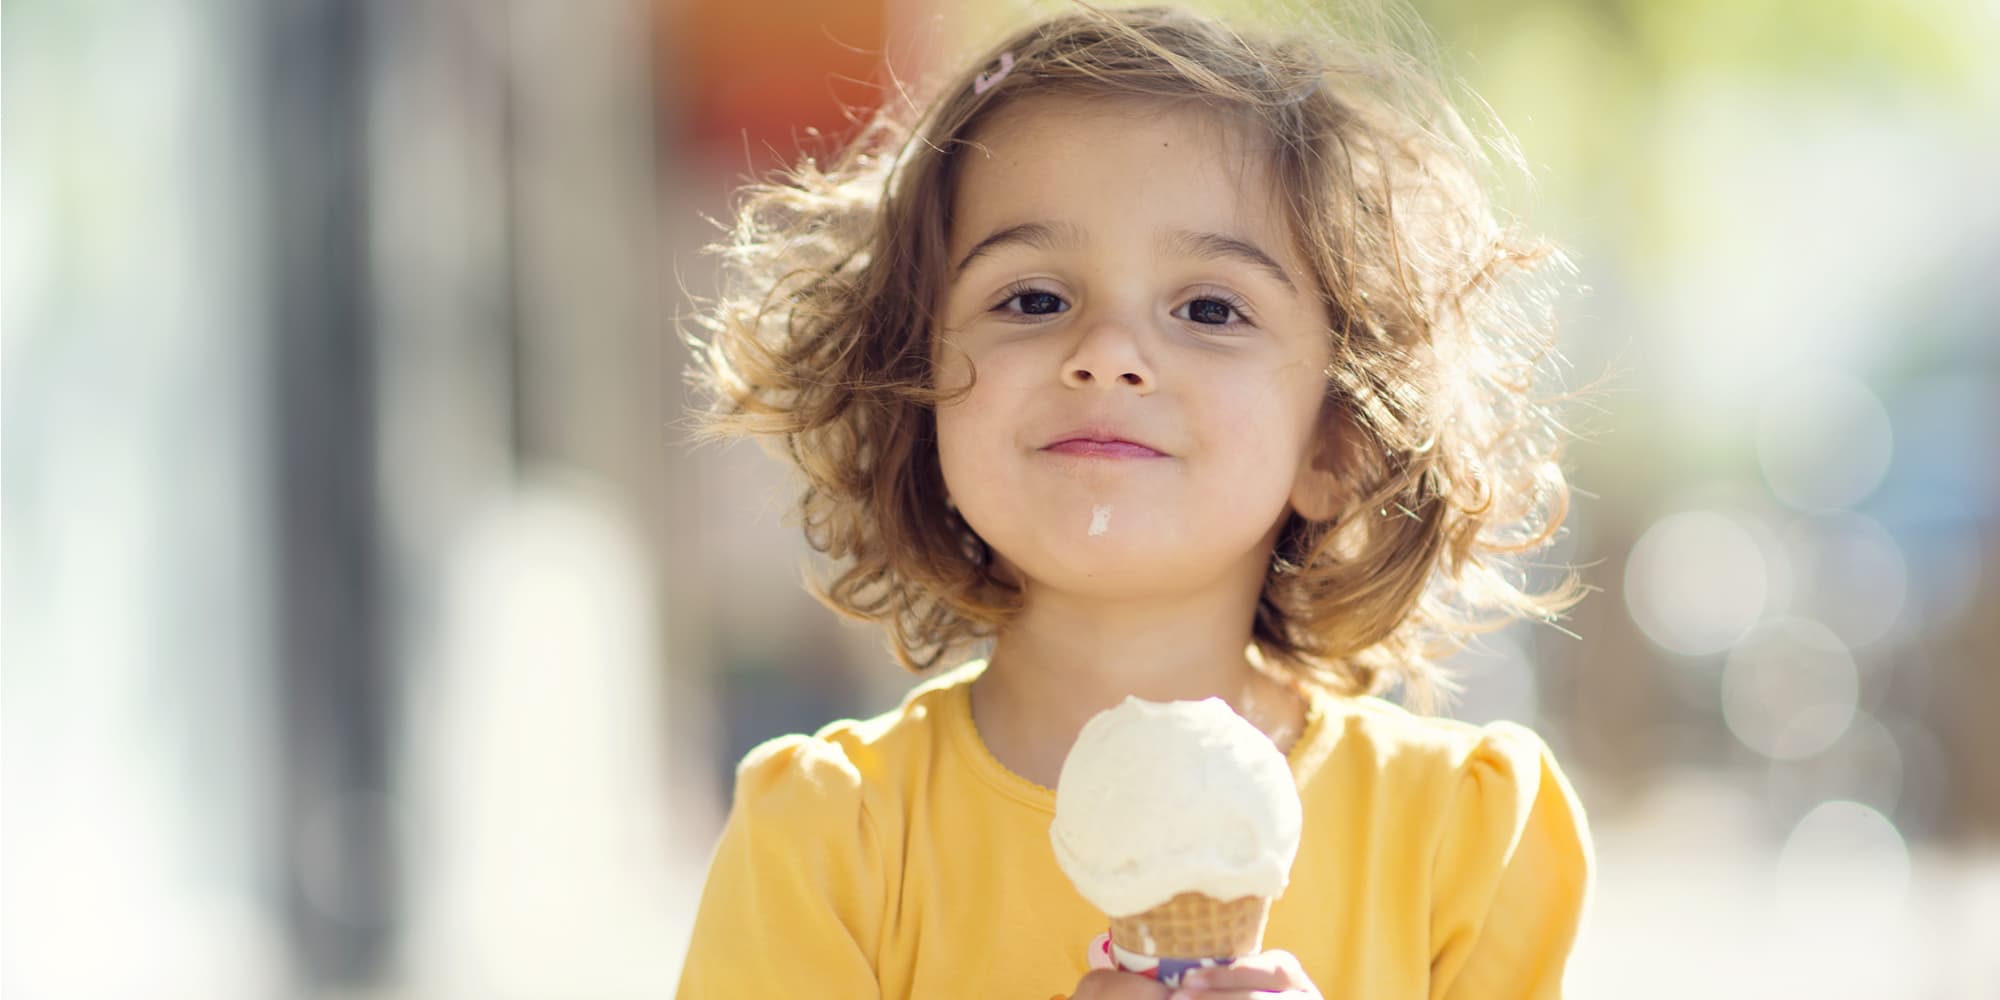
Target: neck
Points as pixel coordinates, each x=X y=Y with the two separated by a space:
x=1066 y=658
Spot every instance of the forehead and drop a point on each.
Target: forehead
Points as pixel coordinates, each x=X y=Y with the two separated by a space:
x=1130 y=162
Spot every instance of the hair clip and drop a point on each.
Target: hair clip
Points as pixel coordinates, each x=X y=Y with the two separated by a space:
x=985 y=81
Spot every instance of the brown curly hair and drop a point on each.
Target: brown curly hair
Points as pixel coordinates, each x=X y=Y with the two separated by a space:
x=822 y=347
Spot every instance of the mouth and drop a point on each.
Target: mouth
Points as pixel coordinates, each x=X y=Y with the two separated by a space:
x=1100 y=444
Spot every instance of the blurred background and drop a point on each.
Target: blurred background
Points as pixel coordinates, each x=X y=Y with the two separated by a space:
x=372 y=630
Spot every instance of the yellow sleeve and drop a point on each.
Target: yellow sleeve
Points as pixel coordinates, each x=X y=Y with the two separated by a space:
x=794 y=901
x=1512 y=875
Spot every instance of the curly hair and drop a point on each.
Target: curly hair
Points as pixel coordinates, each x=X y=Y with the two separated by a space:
x=821 y=346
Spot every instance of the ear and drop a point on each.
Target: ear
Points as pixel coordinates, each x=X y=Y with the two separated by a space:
x=1320 y=487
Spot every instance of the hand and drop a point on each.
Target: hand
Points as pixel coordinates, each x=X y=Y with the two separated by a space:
x=1266 y=976
x=1106 y=984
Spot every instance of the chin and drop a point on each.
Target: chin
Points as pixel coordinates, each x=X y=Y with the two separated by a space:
x=1122 y=569
x=1133 y=557
x=1122 y=583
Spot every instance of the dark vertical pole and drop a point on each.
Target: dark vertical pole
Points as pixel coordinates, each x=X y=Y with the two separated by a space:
x=522 y=438
x=338 y=876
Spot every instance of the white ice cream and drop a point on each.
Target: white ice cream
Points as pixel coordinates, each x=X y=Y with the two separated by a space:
x=1158 y=799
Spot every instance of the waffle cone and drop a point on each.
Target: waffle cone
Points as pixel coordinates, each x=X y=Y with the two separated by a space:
x=1192 y=925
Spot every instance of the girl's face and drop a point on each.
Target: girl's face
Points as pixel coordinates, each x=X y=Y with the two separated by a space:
x=1149 y=350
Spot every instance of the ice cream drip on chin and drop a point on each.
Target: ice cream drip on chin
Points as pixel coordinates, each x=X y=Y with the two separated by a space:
x=1100 y=519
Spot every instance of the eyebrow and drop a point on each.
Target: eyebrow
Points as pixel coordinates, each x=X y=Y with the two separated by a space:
x=1220 y=246
x=1184 y=242
x=1033 y=235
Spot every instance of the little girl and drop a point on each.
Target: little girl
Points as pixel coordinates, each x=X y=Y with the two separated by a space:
x=1164 y=360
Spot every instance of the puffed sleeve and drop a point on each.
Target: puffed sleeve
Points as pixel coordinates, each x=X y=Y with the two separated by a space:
x=794 y=902
x=1512 y=875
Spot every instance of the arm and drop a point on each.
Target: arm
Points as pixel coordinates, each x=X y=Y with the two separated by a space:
x=1512 y=874
x=794 y=901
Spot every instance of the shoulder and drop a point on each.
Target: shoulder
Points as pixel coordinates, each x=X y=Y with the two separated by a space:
x=1485 y=819
x=1457 y=772
x=795 y=776
x=850 y=764
x=1496 y=789
x=811 y=856
x=1401 y=738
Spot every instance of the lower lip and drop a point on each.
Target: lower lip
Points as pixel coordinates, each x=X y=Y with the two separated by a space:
x=1103 y=449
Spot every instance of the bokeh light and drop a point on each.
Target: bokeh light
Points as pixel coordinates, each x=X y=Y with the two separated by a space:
x=1848 y=855
x=1823 y=439
x=1926 y=775
x=1865 y=765
x=1849 y=573
x=1841 y=885
x=1696 y=581
x=1789 y=689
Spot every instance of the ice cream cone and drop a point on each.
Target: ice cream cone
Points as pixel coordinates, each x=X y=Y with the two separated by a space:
x=1179 y=801
x=1194 y=926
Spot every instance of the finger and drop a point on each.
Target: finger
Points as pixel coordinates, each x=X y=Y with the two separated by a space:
x=1287 y=963
x=1234 y=977
x=1240 y=995
x=1270 y=970
x=1106 y=984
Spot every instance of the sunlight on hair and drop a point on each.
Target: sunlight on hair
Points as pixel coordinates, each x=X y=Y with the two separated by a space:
x=1824 y=441
x=1499 y=680
x=1696 y=581
x=1789 y=689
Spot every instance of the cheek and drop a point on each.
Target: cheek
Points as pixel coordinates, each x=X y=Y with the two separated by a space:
x=979 y=441
x=1299 y=405
x=1262 y=435
x=954 y=417
x=953 y=439
x=1268 y=417
x=964 y=411
x=982 y=413
x=965 y=431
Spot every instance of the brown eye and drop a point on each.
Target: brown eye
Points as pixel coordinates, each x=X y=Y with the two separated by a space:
x=1033 y=303
x=1209 y=311
x=1213 y=310
x=1040 y=304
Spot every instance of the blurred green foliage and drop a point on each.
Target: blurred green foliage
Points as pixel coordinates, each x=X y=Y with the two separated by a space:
x=1588 y=86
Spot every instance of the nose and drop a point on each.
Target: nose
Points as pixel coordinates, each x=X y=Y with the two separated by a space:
x=1108 y=354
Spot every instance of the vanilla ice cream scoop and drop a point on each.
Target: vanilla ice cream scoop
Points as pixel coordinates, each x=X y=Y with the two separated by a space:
x=1159 y=799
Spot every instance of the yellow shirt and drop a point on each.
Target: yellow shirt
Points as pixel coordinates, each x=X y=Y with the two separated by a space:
x=896 y=857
